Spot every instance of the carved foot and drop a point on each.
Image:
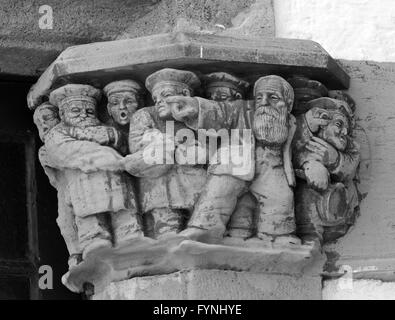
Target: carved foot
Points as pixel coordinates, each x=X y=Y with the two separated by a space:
x=126 y=226
x=239 y=233
x=94 y=245
x=74 y=260
x=287 y=240
x=201 y=235
x=280 y=240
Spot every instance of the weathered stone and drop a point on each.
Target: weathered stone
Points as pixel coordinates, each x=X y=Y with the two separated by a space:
x=368 y=247
x=26 y=50
x=326 y=157
x=188 y=221
x=145 y=256
x=349 y=289
x=100 y=63
x=215 y=285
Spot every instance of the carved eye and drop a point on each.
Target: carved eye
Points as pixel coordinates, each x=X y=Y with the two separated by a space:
x=75 y=110
x=90 y=111
x=274 y=97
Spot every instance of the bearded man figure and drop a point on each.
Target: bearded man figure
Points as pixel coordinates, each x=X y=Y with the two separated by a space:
x=86 y=153
x=266 y=168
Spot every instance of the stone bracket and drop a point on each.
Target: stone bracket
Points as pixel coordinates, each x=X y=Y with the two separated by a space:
x=102 y=62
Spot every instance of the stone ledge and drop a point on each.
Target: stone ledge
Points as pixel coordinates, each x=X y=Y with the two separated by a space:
x=102 y=62
x=146 y=256
x=214 y=285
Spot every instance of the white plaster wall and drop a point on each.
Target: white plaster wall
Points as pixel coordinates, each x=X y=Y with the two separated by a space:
x=347 y=29
x=358 y=290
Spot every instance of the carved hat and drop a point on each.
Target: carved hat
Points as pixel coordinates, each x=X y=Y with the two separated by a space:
x=333 y=105
x=223 y=79
x=184 y=79
x=305 y=87
x=340 y=95
x=71 y=92
x=122 y=86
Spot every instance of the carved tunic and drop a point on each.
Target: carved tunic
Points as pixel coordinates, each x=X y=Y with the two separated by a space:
x=91 y=171
x=177 y=186
x=345 y=169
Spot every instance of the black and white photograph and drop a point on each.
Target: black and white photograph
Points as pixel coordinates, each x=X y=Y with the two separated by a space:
x=208 y=152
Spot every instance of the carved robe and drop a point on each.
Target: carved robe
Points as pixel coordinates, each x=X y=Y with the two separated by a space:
x=312 y=211
x=269 y=171
x=94 y=182
x=172 y=186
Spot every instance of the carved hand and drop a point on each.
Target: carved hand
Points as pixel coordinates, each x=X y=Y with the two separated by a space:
x=315 y=118
x=317 y=175
x=101 y=135
x=324 y=152
x=183 y=108
x=106 y=160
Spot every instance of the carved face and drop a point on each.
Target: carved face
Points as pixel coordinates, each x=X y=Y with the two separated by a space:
x=45 y=119
x=271 y=114
x=80 y=113
x=159 y=95
x=121 y=106
x=222 y=94
x=336 y=131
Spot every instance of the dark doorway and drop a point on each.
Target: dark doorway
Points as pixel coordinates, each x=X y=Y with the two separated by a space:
x=29 y=235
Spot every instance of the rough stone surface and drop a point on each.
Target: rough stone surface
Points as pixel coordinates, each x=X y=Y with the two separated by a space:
x=358 y=290
x=368 y=247
x=146 y=256
x=99 y=63
x=214 y=285
x=351 y=29
x=27 y=50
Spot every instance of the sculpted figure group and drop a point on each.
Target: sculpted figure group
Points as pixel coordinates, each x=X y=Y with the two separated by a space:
x=203 y=162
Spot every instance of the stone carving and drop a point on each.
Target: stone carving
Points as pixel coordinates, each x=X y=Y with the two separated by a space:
x=267 y=170
x=124 y=97
x=46 y=117
x=214 y=175
x=326 y=158
x=197 y=206
x=168 y=188
x=85 y=152
x=222 y=86
x=305 y=90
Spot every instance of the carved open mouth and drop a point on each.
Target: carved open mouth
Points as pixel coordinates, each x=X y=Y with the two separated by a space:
x=124 y=115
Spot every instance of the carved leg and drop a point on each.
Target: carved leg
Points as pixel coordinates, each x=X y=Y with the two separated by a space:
x=93 y=232
x=126 y=225
x=242 y=222
x=68 y=229
x=214 y=208
x=275 y=205
x=163 y=221
x=308 y=221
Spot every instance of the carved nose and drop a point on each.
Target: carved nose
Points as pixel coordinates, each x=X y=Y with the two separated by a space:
x=264 y=101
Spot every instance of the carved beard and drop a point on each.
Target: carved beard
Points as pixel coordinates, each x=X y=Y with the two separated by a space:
x=271 y=125
x=82 y=122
